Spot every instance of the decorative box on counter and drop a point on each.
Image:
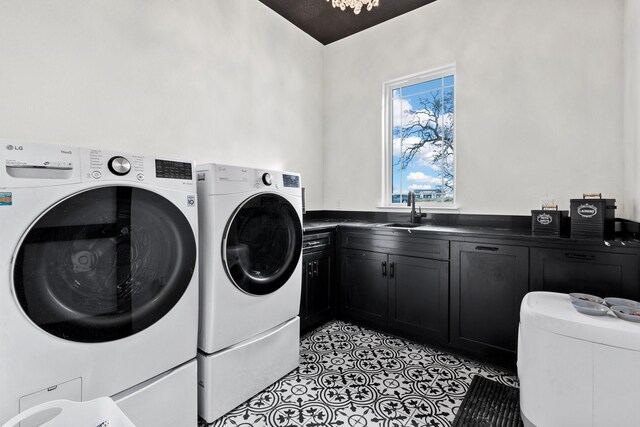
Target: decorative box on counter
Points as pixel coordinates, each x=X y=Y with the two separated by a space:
x=549 y=220
x=592 y=217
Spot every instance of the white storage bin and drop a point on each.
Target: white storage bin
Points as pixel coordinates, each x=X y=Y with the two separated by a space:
x=575 y=369
x=101 y=412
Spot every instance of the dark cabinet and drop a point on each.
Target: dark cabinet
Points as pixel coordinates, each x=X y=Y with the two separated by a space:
x=364 y=287
x=488 y=282
x=384 y=289
x=418 y=298
x=575 y=270
x=318 y=298
x=462 y=292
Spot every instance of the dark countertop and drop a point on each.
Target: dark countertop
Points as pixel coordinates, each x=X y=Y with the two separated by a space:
x=320 y=224
x=463 y=231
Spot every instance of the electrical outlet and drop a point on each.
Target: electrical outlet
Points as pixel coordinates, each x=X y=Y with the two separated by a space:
x=547 y=202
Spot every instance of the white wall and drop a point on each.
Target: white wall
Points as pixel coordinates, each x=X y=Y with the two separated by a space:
x=228 y=81
x=539 y=100
x=539 y=91
x=632 y=108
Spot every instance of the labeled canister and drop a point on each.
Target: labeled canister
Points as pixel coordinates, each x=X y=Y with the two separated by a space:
x=549 y=220
x=592 y=217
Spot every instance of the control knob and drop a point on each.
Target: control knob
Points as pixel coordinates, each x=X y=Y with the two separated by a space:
x=118 y=165
x=266 y=178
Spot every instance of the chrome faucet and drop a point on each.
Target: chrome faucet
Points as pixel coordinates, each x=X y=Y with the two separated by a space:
x=416 y=217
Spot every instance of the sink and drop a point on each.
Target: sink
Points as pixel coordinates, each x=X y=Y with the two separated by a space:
x=404 y=225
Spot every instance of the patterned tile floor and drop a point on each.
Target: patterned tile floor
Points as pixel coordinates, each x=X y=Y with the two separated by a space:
x=351 y=376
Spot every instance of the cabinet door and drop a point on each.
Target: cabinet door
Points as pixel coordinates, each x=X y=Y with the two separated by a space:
x=319 y=290
x=307 y=273
x=597 y=273
x=488 y=283
x=419 y=298
x=364 y=287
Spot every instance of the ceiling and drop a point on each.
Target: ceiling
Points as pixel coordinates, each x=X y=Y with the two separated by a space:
x=327 y=24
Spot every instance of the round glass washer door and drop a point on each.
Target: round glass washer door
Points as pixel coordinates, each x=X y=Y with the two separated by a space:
x=262 y=244
x=104 y=264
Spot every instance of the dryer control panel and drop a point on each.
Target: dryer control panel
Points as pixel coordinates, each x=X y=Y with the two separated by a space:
x=291 y=181
x=285 y=182
x=215 y=178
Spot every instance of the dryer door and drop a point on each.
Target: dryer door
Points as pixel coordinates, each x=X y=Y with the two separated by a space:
x=262 y=244
x=104 y=264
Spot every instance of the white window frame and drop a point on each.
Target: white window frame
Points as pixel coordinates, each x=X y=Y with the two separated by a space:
x=387 y=143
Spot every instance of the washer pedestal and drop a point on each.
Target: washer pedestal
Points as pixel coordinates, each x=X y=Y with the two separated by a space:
x=167 y=400
x=575 y=369
x=231 y=376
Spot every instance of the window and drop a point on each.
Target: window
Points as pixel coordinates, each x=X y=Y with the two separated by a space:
x=419 y=139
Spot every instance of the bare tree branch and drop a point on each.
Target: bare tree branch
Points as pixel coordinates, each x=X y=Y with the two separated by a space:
x=432 y=126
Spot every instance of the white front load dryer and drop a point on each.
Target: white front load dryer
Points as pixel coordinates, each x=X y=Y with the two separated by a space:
x=98 y=280
x=251 y=278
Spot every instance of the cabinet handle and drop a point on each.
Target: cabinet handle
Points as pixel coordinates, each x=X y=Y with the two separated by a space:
x=487 y=248
x=392 y=269
x=384 y=268
x=310 y=269
x=579 y=256
x=315 y=268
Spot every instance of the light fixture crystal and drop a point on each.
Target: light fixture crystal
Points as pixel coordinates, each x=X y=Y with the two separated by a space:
x=356 y=5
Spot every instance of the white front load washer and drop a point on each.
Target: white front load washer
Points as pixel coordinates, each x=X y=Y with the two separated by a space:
x=250 y=282
x=98 y=278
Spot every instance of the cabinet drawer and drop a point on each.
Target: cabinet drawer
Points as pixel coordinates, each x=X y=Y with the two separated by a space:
x=399 y=243
x=573 y=270
x=317 y=241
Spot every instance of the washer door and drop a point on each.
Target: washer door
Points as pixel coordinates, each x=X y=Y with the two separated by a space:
x=262 y=244
x=104 y=264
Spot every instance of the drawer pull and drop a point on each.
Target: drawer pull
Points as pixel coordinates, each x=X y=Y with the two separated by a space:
x=580 y=256
x=313 y=243
x=487 y=248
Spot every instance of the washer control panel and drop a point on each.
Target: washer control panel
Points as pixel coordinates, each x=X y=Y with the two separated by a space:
x=104 y=165
x=109 y=165
x=173 y=170
x=118 y=165
x=32 y=164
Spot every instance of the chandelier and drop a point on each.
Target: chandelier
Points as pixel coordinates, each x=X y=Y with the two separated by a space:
x=356 y=5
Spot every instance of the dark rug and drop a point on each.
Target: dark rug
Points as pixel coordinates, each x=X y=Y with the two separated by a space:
x=489 y=404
